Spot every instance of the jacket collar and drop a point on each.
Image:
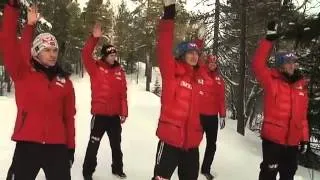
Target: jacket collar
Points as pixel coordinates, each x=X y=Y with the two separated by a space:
x=298 y=81
x=106 y=65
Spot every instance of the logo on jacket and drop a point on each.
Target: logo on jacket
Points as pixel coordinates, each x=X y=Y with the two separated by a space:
x=218 y=79
x=185 y=84
x=201 y=81
x=103 y=70
x=301 y=94
x=118 y=75
x=201 y=93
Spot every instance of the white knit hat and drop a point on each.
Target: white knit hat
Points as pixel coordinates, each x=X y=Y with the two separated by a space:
x=43 y=40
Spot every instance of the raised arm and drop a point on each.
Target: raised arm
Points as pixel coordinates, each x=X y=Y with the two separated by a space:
x=1 y=42
x=259 y=62
x=88 y=49
x=13 y=59
x=201 y=35
x=25 y=43
x=88 y=61
x=165 y=42
x=262 y=54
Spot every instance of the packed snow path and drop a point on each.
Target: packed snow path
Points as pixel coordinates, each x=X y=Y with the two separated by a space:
x=237 y=157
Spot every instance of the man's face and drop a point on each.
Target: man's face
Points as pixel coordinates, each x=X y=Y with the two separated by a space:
x=111 y=58
x=212 y=65
x=288 y=68
x=192 y=57
x=48 y=56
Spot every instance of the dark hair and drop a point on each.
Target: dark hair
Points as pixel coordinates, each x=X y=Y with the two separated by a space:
x=107 y=49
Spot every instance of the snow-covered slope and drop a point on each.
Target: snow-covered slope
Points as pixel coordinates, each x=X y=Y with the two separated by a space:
x=237 y=157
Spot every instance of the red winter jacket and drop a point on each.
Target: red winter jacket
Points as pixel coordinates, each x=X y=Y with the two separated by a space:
x=108 y=84
x=179 y=123
x=1 y=42
x=285 y=105
x=46 y=109
x=212 y=101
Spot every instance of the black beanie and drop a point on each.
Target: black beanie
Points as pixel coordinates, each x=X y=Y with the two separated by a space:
x=108 y=49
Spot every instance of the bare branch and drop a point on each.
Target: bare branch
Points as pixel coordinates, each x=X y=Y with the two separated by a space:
x=302 y=5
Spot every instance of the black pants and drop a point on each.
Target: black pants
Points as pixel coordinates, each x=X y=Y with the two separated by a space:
x=10 y=173
x=100 y=125
x=278 y=159
x=11 y=168
x=210 y=127
x=29 y=158
x=169 y=157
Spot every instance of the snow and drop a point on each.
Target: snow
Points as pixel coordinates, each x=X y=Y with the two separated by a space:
x=237 y=157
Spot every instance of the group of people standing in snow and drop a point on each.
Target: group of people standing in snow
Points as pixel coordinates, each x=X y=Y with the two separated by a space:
x=192 y=103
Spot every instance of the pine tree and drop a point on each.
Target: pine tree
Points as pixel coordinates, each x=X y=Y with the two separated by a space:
x=123 y=36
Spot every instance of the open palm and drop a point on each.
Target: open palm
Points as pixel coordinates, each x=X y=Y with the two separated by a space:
x=33 y=15
x=97 y=31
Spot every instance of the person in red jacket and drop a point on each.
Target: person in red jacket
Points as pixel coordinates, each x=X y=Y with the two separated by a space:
x=108 y=106
x=44 y=130
x=285 y=124
x=212 y=109
x=179 y=128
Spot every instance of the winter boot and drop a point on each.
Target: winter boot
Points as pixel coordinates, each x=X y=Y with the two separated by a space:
x=208 y=176
x=87 y=178
x=119 y=174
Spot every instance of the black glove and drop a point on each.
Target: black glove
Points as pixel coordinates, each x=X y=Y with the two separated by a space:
x=169 y=12
x=14 y=3
x=272 y=32
x=71 y=156
x=303 y=147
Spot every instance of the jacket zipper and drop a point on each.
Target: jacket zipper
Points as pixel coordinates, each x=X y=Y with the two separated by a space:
x=290 y=119
x=186 y=126
x=46 y=122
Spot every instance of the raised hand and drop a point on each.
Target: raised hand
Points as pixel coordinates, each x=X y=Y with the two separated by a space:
x=202 y=32
x=97 y=31
x=33 y=15
x=169 y=9
x=272 y=31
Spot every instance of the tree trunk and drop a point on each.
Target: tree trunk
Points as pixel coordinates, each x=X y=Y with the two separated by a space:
x=241 y=90
x=8 y=81
x=149 y=71
x=216 y=28
x=1 y=87
x=233 y=104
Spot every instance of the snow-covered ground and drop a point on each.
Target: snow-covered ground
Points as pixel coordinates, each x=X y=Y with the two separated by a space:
x=237 y=157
